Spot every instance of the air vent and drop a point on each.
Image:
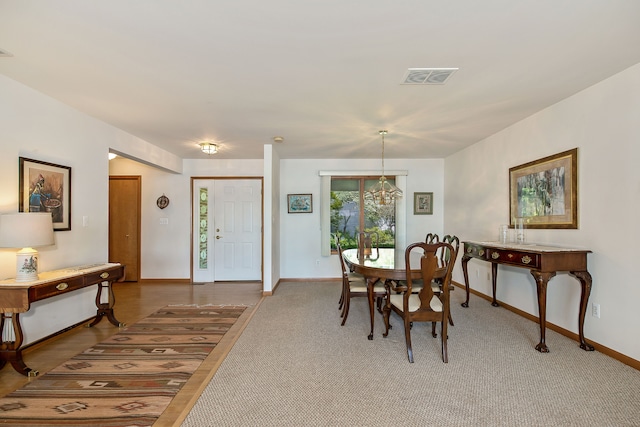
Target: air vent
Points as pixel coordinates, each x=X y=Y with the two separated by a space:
x=4 y=53
x=427 y=76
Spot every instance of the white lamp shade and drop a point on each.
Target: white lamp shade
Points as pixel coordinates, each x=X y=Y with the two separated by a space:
x=26 y=230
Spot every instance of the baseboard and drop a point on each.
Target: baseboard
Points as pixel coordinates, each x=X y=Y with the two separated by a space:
x=165 y=281
x=599 y=347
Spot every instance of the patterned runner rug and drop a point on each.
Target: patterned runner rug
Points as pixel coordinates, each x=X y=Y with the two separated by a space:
x=127 y=380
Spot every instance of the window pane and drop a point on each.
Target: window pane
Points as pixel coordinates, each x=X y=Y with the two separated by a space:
x=348 y=217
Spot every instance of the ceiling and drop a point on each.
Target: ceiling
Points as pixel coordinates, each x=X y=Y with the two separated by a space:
x=325 y=75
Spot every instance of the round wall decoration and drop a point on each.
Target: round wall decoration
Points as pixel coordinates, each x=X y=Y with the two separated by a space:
x=162 y=202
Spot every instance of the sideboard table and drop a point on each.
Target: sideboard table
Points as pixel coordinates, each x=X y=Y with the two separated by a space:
x=543 y=262
x=16 y=298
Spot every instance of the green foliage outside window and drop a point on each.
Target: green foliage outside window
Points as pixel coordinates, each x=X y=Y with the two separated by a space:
x=347 y=218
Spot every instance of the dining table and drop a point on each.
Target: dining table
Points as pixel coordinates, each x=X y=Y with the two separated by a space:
x=386 y=264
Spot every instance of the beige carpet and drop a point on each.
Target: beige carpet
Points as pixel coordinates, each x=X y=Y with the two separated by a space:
x=294 y=365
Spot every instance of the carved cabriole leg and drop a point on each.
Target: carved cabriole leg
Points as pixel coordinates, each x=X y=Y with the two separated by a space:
x=541 y=283
x=465 y=261
x=386 y=313
x=494 y=282
x=585 y=280
x=371 y=281
x=443 y=337
x=407 y=337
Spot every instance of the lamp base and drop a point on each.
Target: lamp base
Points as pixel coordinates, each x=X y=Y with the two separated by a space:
x=27 y=265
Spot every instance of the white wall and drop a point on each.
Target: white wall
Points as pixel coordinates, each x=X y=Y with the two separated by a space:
x=602 y=121
x=41 y=128
x=166 y=249
x=271 y=257
x=300 y=233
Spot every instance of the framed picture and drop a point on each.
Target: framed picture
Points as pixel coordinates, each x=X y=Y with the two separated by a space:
x=299 y=203
x=46 y=187
x=544 y=193
x=423 y=203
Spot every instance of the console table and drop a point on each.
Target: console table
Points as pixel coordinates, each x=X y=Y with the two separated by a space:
x=16 y=298
x=543 y=262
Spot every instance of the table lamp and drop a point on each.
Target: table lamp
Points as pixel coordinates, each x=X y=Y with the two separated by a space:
x=26 y=230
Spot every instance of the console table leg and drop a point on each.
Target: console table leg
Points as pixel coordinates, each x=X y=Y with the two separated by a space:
x=585 y=280
x=105 y=308
x=10 y=348
x=542 y=279
x=494 y=282
x=465 y=261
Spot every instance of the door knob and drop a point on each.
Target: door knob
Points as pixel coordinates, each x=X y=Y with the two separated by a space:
x=218 y=237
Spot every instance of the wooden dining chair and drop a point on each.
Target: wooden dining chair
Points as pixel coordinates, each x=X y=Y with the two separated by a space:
x=425 y=306
x=448 y=256
x=368 y=243
x=431 y=238
x=355 y=285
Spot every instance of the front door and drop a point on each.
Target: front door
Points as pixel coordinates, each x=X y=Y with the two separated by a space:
x=227 y=230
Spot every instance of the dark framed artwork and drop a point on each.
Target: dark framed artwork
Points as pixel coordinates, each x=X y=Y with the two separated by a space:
x=45 y=187
x=423 y=203
x=544 y=193
x=299 y=203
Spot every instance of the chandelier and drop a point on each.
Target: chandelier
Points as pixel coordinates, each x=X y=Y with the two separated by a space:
x=383 y=192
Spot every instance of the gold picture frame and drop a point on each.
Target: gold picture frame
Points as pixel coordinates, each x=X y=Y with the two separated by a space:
x=544 y=193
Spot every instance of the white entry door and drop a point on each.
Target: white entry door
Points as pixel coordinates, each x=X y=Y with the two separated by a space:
x=227 y=230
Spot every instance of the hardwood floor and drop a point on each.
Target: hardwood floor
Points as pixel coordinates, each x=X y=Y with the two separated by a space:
x=135 y=301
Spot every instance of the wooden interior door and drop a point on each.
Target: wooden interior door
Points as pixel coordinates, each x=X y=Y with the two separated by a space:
x=124 y=224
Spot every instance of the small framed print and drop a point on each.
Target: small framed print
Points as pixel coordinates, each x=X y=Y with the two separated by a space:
x=46 y=187
x=423 y=203
x=299 y=203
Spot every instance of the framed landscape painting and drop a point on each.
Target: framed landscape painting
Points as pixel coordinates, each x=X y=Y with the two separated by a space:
x=544 y=193
x=45 y=187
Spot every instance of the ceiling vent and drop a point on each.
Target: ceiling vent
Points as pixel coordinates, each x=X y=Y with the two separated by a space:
x=427 y=76
x=4 y=53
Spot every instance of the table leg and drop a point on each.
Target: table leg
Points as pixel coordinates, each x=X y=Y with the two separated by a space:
x=370 y=283
x=542 y=279
x=105 y=309
x=465 y=261
x=10 y=348
x=585 y=280
x=494 y=282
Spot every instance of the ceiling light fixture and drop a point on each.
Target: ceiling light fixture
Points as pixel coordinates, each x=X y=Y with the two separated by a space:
x=208 y=148
x=383 y=192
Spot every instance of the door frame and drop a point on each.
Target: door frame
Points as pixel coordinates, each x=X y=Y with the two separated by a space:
x=213 y=178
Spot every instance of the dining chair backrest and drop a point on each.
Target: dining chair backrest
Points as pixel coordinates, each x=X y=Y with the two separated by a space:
x=368 y=242
x=434 y=264
x=431 y=238
x=455 y=243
